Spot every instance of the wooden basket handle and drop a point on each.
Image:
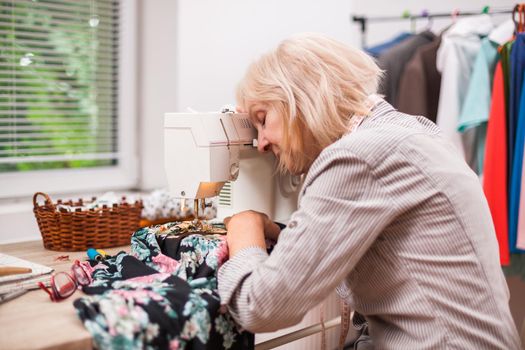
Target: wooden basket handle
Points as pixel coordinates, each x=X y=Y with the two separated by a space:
x=47 y=198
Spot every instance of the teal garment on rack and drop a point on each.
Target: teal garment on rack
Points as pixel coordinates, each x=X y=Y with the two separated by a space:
x=476 y=106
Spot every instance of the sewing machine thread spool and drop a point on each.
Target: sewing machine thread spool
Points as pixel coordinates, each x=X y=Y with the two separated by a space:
x=101 y=252
x=93 y=254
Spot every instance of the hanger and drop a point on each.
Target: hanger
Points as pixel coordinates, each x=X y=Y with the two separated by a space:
x=454 y=15
x=519 y=23
x=406 y=14
x=426 y=15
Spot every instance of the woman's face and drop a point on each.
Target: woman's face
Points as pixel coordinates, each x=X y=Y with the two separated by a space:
x=269 y=124
x=269 y=127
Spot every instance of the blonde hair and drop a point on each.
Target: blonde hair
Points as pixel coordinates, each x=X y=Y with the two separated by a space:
x=317 y=85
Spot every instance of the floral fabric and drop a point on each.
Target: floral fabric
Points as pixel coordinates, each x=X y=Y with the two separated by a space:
x=163 y=295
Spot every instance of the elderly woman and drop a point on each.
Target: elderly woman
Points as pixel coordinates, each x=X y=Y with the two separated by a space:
x=389 y=212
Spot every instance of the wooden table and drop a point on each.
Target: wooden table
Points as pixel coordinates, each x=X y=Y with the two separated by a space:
x=33 y=321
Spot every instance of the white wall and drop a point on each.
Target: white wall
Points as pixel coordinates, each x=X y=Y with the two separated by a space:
x=157 y=84
x=218 y=39
x=195 y=51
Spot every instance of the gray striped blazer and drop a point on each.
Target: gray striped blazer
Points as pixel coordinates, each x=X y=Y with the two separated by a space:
x=393 y=215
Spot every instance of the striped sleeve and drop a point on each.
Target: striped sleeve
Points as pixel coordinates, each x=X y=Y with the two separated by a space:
x=341 y=213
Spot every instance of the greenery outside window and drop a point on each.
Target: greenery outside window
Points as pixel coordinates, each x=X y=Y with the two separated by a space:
x=65 y=75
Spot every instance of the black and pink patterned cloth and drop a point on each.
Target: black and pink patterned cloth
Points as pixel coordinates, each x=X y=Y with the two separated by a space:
x=163 y=295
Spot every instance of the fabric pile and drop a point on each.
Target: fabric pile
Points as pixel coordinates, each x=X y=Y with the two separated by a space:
x=163 y=295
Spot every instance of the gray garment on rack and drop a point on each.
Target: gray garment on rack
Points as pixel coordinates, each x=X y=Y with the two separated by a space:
x=420 y=83
x=393 y=61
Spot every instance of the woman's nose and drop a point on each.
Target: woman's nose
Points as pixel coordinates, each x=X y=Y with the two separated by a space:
x=262 y=143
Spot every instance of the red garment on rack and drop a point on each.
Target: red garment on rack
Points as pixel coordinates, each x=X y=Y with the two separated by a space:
x=495 y=166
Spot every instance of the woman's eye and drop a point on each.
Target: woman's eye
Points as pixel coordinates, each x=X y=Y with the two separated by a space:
x=261 y=116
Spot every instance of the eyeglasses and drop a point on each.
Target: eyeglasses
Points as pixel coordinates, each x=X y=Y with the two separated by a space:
x=63 y=284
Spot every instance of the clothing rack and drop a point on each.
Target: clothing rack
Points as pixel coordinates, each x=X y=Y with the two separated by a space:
x=364 y=20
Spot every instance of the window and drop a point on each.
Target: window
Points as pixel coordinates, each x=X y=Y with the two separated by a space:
x=66 y=95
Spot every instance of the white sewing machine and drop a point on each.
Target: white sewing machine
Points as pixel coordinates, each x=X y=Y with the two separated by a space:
x=205 y=153
x=214 y=154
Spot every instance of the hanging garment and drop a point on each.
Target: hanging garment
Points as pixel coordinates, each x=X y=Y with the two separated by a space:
x=520 y=239
x=393 y=61
x=520 y=234
x=455 y=59
x=518 y=67
x=476 y=107
x=420 y=83
x=504 y=52
x=475 y=111
x=163 y=295
x=377 y=50
x=495 y=166
x=505 y=48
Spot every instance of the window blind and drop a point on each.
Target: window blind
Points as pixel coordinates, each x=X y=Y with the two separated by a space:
x=58 y=84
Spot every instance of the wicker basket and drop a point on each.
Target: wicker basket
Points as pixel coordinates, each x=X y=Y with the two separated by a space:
x=78 y=230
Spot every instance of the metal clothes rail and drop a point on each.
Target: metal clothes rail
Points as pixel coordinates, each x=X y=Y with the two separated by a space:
x=364 y=20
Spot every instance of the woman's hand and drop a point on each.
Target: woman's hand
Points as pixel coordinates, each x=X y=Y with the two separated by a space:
x=248 y=229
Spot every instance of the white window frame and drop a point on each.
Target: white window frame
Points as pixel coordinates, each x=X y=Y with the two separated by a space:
x=125 y=174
